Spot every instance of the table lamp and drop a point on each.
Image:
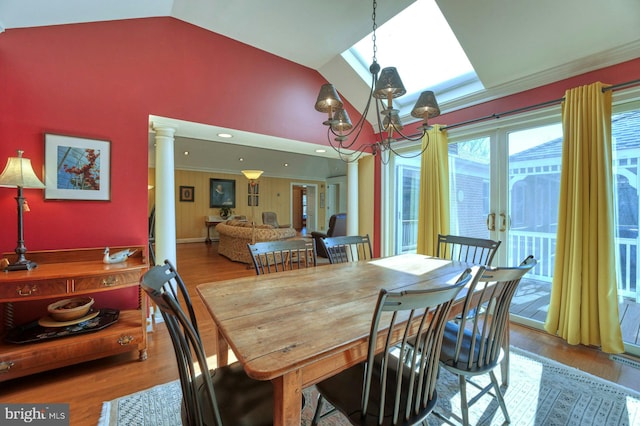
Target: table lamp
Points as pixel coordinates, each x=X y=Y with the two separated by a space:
x=253 y=176
x=18 y=173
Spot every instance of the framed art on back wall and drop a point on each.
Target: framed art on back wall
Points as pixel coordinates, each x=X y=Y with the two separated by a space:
x=187 y=193
x=222 y=193
x=77 y=168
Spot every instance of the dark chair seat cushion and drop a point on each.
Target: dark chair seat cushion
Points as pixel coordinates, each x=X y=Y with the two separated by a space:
x=344 y=387
x=242 y=400
x=448 y=355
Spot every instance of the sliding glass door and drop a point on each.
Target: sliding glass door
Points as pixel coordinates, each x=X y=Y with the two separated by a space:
x=504 y=185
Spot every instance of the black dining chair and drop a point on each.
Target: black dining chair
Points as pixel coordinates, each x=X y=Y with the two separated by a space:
x=222 y=396
x=478 y=251
x=475 y=345
x=350 y=248
x=286 y=255
x=389 y=388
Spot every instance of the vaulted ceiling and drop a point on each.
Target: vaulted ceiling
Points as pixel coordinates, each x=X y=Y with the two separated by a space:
x=512 y=45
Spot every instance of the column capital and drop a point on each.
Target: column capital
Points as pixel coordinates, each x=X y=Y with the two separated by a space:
x=163 y=129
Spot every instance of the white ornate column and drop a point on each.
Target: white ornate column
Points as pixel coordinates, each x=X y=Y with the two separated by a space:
x=352 y=199
x=165 y=233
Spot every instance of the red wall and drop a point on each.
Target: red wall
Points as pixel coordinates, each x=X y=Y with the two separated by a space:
x=103 y=80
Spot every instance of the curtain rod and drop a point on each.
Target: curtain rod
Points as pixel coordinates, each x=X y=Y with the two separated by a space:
x=535 y=106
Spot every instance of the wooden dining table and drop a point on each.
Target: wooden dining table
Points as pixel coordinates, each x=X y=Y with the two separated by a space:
x=299 y=327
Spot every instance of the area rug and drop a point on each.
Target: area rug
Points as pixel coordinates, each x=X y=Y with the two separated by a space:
x=541 y=392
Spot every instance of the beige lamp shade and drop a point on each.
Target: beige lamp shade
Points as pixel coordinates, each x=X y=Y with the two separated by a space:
x=18 y=173
x=252 y=174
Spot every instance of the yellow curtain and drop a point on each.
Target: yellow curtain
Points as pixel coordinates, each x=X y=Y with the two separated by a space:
x=584 y=302
x=433 y=211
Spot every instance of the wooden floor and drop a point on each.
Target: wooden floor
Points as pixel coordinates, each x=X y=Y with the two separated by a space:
x=85 y=386
x=532 y=301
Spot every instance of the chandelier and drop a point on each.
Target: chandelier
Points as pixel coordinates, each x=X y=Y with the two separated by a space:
x=342 y=134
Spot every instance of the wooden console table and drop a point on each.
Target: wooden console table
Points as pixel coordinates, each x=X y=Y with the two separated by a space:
x=68 y=273
x=211 y=222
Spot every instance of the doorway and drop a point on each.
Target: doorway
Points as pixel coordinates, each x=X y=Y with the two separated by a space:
x=303 y=207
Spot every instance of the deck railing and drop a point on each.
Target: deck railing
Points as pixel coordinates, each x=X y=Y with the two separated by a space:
x=543 y=246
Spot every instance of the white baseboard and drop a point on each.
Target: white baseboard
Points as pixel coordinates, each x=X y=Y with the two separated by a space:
x=190 y=240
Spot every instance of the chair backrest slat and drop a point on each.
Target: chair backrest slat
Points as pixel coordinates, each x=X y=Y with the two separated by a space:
x=279 y=256
x=404 y=378
x=478 y=251
x=166 y=289
x=483 y=322
x=349 y=248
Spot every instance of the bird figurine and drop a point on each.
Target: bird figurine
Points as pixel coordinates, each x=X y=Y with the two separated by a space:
x=117 y=257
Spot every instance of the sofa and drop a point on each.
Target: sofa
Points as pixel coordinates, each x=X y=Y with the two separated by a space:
x=337 y=228
x=235 y=235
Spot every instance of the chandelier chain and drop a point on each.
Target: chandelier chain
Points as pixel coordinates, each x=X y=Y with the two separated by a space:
x=373 y=34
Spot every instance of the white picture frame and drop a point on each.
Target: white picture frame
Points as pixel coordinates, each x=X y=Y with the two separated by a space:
x=77 y=168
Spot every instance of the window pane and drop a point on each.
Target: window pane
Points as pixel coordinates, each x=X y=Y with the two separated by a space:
x=535 y=156
x=407 y=193
x=469 y=196
x=626 y=151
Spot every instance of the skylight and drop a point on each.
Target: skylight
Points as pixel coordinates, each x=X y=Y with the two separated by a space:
x=420 y=44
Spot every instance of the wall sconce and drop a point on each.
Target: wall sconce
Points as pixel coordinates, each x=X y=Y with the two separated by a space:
x=18 y=173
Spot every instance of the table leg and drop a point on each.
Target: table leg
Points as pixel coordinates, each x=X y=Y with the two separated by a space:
x=287 y=399
x=208 y=239
x=222 y=349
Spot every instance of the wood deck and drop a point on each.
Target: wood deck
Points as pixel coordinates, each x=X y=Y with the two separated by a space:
x=532 y=301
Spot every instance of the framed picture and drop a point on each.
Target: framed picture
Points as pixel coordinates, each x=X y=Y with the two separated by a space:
x=322 y=200
x=253 y=200
x=253 y=189
x=222 y=193
x=186 y=193
x=77 y=168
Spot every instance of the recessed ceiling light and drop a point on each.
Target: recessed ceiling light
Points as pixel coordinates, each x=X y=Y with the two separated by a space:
x=225 y=135
x=186 y=153
x=286 y=164
x=241 y=159
x=321 y=150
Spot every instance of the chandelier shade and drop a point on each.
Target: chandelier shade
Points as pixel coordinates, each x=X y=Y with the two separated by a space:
x=341 y=121
x=328 y=101
x=426 y=106
x=389 y=84
x=394 y=119
x=386 y=84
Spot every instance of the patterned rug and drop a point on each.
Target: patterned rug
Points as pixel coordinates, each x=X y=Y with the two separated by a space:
x=542 y=392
